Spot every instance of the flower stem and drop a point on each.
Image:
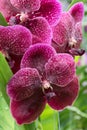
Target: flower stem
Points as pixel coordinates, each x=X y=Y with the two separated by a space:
x=59 y=128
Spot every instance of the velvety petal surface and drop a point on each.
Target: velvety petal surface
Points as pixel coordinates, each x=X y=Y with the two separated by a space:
x=37 y=56
x=60 y=69
x=63 y=30
x=78 y=34
x=77 y=11
x=26 y=5
x=51 y=10
x=40 y=28
x=14 y=62
x=23 y=84
x=7 y=9
x=62 y=97
x=15 y=39
x=28 y=110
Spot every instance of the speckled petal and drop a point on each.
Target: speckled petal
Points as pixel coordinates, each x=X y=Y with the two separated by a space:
x=7 y=9
x=41 y=29
x=63 y=97
x=63 y=30
x=28 y=110
x=15 y=39
x=77 y=11
x=37 y=56
x=60 y=69
x=26 y=5
x=51 y=10
x=23 y=84
x=78 y=34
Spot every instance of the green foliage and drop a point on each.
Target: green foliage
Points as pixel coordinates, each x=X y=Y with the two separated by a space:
x=5 y=75
x=49 y=119
x=3 y=20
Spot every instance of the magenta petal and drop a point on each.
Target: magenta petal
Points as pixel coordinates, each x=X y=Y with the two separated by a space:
x=63 y=96
x=7 y=9
x=23 y=84
x=63 y=30
x=60 y=69
x=78 y=34
x=77 y=11
x=15 y=39
x=26 y=5
x=51 y=10
x=26 y=111
x=36 y=39
x=41 y=29
x=14 y=62
x=37 y=56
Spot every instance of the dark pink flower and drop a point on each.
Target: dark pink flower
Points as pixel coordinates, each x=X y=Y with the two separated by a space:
x=14 y=41
x=44 y=77
x=67 y=34
x=36 y=15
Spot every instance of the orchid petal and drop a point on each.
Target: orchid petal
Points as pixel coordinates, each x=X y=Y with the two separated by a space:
x=37 y=56
x=23 y=84
x=51 y=10
x=77 y=11
x=28 y=110
x=60 y=69
x=63 y=96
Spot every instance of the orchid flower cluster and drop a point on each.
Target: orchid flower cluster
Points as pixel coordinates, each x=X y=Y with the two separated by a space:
x=39 y=44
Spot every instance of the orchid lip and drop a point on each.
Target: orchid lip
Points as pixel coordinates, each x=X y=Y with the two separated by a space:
x=46 y=86
x=72 y=42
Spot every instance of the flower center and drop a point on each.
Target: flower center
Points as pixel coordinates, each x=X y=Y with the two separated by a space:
x=72 y=42
x=46 y=87
x=23 y=16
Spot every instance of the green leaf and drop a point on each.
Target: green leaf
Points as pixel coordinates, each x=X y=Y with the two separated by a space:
x=6 y=120
x=79 y=112
x=3 y=20
x=5 y=75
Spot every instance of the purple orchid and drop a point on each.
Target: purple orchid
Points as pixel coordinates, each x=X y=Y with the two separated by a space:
x=44 y=77
x=14 y=41
x=67 y=34
x=36 y=15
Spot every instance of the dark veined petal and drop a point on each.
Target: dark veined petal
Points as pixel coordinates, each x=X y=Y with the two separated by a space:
x=7 y=9
x=62 y=97
x=60 y=69
x=26 y=5
x=37 y=56
x=77 y=11
x=41 y=29
x=23 y=84
x=26 y=111
x=51 y=10
x=15 y=39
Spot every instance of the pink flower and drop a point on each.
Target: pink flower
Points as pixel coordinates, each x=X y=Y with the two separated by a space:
x=34 y=14
x=14 y=41
x=67 y=34
x=44 y=77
